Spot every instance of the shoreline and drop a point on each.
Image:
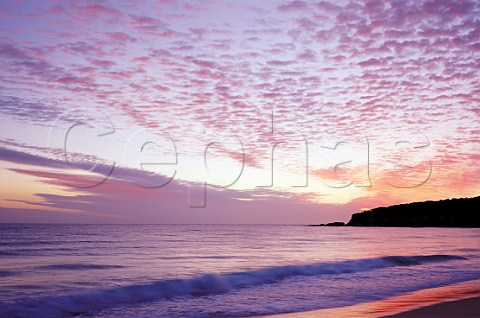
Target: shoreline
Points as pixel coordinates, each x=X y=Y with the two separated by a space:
x=461 y=299
x=463 y=308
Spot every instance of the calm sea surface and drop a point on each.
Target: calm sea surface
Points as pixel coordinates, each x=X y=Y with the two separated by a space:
x=221 y=270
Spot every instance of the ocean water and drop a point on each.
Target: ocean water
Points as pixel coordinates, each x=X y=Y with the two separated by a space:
x=221 y=270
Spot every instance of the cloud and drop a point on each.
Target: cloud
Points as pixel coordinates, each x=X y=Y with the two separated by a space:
x=327 y=70
x=123 y=199
x=17 y=108
x=294 y=6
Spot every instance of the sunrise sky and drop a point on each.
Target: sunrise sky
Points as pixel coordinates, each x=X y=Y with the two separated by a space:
x=170 y=111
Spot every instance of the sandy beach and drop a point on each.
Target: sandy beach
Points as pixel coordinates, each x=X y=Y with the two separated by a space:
x=460 y=300
x=464 y=308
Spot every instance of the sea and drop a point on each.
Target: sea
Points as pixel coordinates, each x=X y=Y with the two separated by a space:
x=60 y=270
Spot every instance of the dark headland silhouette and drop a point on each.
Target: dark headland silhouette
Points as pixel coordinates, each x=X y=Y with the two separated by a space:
x=462 y=212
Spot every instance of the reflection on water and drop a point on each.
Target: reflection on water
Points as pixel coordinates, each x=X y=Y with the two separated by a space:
x=219 y=270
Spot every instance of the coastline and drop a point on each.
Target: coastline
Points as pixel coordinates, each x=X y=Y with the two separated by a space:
x=461 y=299
x=464 y=308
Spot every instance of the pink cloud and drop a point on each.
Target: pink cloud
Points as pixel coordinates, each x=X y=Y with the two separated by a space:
x=294 y=6
x=117 y=198
x=325 y=68
x=120 y=37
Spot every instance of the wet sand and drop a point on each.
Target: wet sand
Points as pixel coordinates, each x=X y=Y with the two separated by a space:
x=460 y=300
x=464 y=308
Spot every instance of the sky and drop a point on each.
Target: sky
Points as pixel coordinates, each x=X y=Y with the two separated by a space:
x=284 y=112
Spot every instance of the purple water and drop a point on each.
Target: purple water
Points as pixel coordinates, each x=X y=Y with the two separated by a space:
x=221 y=270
